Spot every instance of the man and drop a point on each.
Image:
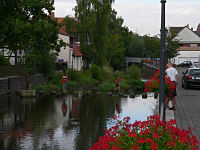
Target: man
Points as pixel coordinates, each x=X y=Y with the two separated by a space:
x=173 y=75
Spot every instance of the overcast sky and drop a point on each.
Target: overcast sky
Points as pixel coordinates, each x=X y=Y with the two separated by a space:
x=143 y=16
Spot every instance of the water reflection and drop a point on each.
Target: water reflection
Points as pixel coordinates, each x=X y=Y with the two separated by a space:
x=68 y=122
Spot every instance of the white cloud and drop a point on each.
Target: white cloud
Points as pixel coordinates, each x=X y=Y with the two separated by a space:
x=64 y=8
x=143 y=16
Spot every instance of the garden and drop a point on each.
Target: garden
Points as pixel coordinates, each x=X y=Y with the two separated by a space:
x=99 y=78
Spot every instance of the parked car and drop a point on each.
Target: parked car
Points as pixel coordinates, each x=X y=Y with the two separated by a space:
x=185 y=64
x=191 y=78
x=196 y=64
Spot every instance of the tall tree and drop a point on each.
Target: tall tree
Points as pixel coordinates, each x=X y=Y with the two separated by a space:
x=136 y=46
x=27 y=25
x=94 y=16
x=152 y=46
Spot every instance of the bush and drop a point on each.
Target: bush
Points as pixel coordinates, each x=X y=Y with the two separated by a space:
x=119 y=74
x=4 y=61
x=107 y=86
x=72 y=75
x=124 y=85
x=138 y=85
x=143 y=135
x=86 y=79
x=96 y=72
x=107 y=72
x=134 y=72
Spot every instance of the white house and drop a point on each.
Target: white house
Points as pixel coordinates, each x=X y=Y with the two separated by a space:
x=71 y=53
x=189 y=41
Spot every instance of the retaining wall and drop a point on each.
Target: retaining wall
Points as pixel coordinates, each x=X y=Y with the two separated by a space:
x=14 y=83
x=148 y=71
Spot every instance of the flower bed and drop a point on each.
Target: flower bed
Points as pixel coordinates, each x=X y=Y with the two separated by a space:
x=142 y=135
x=154 y=84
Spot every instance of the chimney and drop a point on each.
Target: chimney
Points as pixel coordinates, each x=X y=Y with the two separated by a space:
x=52 y=15
x=187 y=25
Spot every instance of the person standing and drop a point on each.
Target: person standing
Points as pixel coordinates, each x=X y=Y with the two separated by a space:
x=117 y=84
x=173 y=75
x=64 y=82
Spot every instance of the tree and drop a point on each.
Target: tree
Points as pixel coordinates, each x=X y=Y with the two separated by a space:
x=27 y=25
x=152 y=46
x=172 y=45
x=94 y=17
x=136 y=46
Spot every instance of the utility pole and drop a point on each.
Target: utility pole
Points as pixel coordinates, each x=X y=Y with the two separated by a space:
x=162 y=63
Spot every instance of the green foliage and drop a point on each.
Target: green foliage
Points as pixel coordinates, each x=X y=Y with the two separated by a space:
x=138 y=85
x=134 y=72
x=4 y=61
x=152 y=46
x=124 y=85
x=107 y=72
x=96 y=72
x=172 y=45
x=27 y=25
x=136 y=46
x=72 y=74
x=105 y=86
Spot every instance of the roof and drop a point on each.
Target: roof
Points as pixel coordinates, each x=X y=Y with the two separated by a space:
x=76 y=50
x=189 y=49
x=176 y=30
x=197 y=33
x=62 y=29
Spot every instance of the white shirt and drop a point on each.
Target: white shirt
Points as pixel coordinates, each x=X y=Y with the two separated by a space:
x=172 y=72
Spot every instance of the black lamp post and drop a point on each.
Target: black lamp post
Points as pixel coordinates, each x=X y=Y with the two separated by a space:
x=162 y=63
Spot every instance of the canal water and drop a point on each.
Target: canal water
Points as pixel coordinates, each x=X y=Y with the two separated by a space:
x=64 y=123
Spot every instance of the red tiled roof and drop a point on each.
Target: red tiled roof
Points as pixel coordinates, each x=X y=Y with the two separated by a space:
x=62 y=29
x=76 y=50
x=189 y=49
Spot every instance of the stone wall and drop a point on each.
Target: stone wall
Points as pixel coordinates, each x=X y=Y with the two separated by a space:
x=148 y=71
x=3 y=85
x=14 y=83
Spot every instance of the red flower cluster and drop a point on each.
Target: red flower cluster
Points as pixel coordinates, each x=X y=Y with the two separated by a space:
x=150 y=134
x=154 y=84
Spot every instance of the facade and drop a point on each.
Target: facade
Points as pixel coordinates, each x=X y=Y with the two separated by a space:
x=71 y=53
x=189 y=41
x=8 y=54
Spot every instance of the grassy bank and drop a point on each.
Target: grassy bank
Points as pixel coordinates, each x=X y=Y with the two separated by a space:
x=99 y=78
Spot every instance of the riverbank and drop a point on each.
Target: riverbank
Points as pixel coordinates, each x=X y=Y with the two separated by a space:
x=96 y=79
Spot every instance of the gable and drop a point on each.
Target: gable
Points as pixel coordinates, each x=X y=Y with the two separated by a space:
x=187 y=36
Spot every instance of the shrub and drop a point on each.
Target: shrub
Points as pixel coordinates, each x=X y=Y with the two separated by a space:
x=134 y=72
x=150 y=134
x=86 y=79
x=96 y=72
x=138 y=85
x=4 y=61
x=56 y=79
x=39 y=88
x=107 y=86
x=72 y=74
x=107 y=72
x=124 y=85
x=119 y=74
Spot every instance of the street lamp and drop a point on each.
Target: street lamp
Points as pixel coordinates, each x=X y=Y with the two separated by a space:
x=162 y=63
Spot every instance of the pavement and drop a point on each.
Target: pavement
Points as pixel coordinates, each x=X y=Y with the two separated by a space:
x=187 y=114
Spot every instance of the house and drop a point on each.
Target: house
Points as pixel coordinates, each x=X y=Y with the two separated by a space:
x=71 y=53
x=189 y=41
